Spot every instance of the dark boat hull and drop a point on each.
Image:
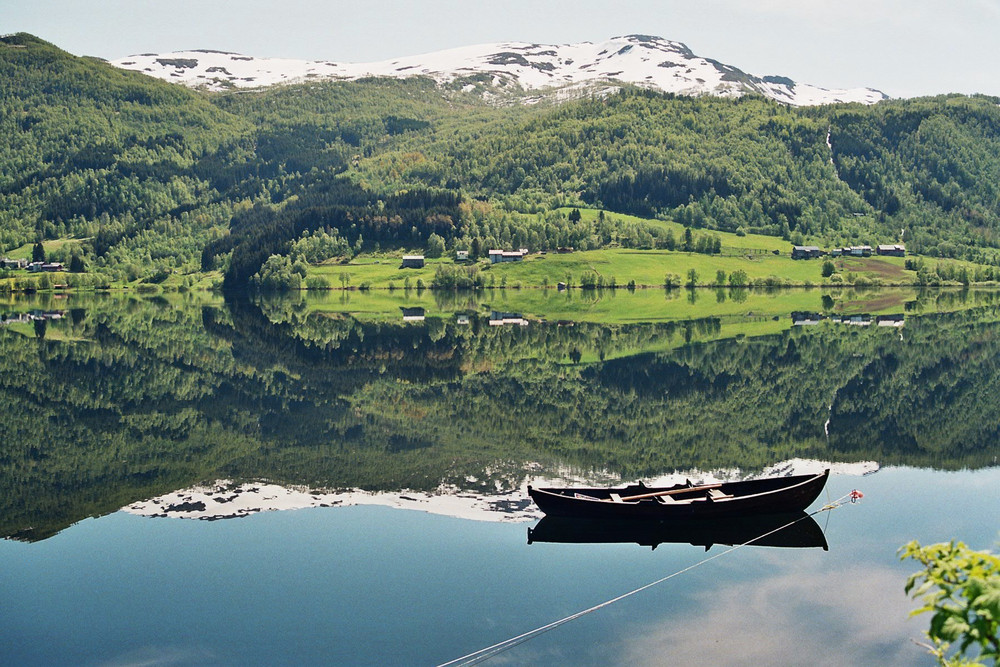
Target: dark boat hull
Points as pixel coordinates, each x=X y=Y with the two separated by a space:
x=773 y=495
x=793 y=530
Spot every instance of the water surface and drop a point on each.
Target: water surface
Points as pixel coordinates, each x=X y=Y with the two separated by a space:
x=114 y=400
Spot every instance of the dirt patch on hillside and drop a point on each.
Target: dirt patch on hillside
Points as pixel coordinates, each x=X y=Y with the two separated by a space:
x=869 y=265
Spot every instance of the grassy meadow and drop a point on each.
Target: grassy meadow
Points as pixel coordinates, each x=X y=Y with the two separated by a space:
x=647 y=268
x=761 y=258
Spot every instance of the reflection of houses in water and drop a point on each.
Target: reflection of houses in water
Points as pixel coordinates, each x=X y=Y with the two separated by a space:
x=14 y=318
x=889 y=320
x=802 y=318
x=500 y=318
x=856 y=320
x=33 y=316
x=412 y=314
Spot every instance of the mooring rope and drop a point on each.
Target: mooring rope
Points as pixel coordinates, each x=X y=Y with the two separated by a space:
x=482 y=654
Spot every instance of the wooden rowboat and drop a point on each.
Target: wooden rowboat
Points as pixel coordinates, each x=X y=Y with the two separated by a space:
x=771 y=495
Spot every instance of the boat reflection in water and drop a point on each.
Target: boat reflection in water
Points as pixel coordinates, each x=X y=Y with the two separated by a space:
x=792 y=530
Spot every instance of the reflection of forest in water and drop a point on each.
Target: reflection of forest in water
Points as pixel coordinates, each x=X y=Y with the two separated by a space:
x=110 y=400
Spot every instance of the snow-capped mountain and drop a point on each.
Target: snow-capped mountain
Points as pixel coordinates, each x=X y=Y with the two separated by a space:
x=512 y=67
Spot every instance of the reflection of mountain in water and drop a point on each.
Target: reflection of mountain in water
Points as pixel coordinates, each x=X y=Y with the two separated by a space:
x=130 y=399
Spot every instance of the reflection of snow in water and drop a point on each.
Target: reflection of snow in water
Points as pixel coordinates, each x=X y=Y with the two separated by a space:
x=224 y=499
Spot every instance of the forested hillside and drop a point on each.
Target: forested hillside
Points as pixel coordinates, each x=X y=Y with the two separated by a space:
x=89 y=151
x=156 y=178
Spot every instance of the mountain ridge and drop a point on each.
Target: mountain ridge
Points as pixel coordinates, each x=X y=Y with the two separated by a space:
x=498 y=70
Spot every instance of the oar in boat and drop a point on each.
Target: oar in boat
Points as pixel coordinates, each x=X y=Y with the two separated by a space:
x=656 y=494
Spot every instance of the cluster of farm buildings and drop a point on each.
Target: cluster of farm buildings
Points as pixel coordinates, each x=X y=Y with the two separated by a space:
x=798 y=252
x=496 y=256
x=812 y=252
x=34 y=267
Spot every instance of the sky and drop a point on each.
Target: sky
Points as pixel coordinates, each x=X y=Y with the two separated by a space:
x=904 y=48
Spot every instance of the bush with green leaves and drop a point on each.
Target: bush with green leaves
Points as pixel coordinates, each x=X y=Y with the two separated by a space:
x=960 y=587
x=738 y=279
x=320 y=246
x=317 y=283
x=279 y=273
x=456 y=277
x=435 y=246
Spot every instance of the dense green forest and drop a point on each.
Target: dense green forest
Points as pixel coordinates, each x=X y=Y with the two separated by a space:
x=121 y=399
x=154 y=178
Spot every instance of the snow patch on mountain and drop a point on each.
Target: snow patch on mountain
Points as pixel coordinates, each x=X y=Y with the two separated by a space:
x=512 y=67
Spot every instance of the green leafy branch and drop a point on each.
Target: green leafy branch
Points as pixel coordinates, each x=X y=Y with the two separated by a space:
x=961 y=588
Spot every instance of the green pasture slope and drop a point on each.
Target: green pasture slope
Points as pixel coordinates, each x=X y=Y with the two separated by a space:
x=647 y=268
x=753 y=254
x=731 y=243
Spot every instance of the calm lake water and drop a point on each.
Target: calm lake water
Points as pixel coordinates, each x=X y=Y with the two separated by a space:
x=109 y=402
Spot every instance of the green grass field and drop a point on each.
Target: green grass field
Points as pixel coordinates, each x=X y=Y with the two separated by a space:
x=24 y=252
x=752 y=253
x=731 y=243
x=644 y=267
